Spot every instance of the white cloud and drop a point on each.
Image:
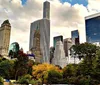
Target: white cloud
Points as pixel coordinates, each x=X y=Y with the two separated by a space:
x=94 y=5
x=64 y=18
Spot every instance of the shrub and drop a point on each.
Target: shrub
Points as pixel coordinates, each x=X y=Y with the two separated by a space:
x=26 y=79
x=1 y=81
x=54 y=77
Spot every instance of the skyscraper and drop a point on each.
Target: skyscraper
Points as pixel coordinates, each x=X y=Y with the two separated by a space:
x=75 y=37
x=57 y=38
x=43 y=40
x=67 y=46
x=5 y=30
x=46 y=10
x=92 y=24
x=59 y=55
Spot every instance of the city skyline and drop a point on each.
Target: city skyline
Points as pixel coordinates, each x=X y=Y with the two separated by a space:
x=65 y=16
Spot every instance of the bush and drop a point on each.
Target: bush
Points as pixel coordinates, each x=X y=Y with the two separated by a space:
x=54 y=77
x=26 y=79
x=1 y=81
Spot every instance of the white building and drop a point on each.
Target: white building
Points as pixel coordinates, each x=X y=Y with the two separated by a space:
x=59 y=55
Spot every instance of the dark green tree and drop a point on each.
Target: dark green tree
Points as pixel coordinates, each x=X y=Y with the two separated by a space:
x=5 y=69
x=87 y=51
x=70 y=73
x=54 y=77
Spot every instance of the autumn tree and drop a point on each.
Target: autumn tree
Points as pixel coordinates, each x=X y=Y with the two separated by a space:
x=21 y=64
x=40 y=71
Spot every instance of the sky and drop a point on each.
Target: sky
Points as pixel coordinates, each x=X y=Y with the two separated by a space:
x=65 y=16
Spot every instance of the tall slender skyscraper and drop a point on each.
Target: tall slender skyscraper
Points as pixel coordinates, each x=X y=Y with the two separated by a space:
x=40 y=39
x=46 y=10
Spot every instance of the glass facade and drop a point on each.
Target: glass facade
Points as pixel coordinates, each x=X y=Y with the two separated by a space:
x=14 y=47
x=57 y=38
x=93 y=29
x=75 y=36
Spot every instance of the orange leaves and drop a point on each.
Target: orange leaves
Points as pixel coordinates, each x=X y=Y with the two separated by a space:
x=41 y=70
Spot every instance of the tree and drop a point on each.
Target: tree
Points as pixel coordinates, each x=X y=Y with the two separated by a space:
x=54 y=77
x=21 y=64
x=26 y=79
x=70 y=73
x=70 y=70
x=87 y=51
x=1 y=80
x=5 y=68
x=40 y=71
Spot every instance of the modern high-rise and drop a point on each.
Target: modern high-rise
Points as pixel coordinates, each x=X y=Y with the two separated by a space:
x=75 y=36
x=40 y=37
x=92 y=24
x=57 y=38
x=46 y=10
x=5 y=30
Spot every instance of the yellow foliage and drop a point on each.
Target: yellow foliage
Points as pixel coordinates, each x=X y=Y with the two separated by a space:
x=41 y=70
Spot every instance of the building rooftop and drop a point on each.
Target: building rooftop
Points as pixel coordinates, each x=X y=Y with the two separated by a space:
x=92 y=16
x=6 y=22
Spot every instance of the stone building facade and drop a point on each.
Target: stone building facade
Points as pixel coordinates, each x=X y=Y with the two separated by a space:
x=5 y=30
x=36 y=45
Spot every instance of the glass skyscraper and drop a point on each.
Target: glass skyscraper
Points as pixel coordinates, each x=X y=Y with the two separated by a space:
x=93 y=28
x=75 y=37
x=57 y=38
x=40 y=36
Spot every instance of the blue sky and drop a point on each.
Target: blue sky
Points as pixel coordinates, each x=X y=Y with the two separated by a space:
x=84 y=2
x=23 y=1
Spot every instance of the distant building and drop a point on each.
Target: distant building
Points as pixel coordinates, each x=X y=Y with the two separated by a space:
x=14 y=47
x=75 y=37
x=92 y=24
x=5 y=30
x=56 y=39
x=67 y=46
x=40 y=36
x=97 y=43
x=51 y=53
x=13 y=50
x=59 y=55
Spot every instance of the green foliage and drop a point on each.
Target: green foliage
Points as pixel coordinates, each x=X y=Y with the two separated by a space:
x=84 y=81
x=1 y=80
x=5 y=67
x=87 y=72
x=70 y=70
x=26 y=79
x=54 y=77
x=85 y=50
